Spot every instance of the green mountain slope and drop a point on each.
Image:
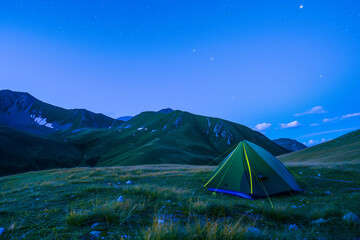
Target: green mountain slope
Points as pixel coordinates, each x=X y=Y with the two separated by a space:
x=22 y=151
x=23 y=111
x=344 y=149
x=71 y=138
x=175 y=137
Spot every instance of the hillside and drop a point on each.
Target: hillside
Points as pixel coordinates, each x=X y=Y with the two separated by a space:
x=23 y=111
x=83 y=138
x=169 y=202
x=22 y=151
x=175 y=137
x=289 y=144
x=342 y=150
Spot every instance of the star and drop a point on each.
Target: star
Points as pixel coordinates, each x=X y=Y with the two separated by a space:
x=211 y=59
x=193 y=50
x=301 y=6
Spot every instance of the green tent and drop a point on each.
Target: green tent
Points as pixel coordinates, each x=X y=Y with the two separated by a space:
x=250 y=171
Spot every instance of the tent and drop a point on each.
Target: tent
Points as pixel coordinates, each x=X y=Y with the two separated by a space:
x=250 y=171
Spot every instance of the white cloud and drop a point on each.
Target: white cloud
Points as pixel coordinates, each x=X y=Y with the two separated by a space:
x=326 y=132
x=314 y=142
x=262 y=126
x=311 y=142
x=293 y=124
x=314 y=110
x=314 y=124
x=350 y=115
x=330 y=119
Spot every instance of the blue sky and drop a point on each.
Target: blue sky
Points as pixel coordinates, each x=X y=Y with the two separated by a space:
x=251 y=62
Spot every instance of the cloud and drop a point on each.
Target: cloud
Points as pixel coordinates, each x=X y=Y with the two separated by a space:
x=293 y=124
x=311 y=142
x=314 y=124
x=262 y=126
x=350 y=115
x=330 y=119
x=320 y=133
x=314 y=142
x=314 y=110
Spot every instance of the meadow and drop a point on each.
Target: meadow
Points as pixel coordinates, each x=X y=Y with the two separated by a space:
x=169 y=202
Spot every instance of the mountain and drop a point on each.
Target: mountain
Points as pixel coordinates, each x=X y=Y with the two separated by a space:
x=176 y=137
x=125 y=118
x=79 y=137
x=23 y=111
x=342 y=150
x=166 y=110
x=22 y=151
x=289 y=144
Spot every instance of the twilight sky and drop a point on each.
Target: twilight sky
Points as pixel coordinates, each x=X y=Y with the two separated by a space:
x=286 y=68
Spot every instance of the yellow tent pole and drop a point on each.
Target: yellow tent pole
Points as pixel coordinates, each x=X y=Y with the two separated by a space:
x=247 y=160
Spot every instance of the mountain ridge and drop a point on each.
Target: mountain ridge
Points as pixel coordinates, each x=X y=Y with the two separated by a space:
x=290 y=144
x=23 y=111
x=341 y=150
x=169 y=136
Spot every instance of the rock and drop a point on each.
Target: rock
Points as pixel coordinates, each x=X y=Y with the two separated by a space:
x=254 y=232
x=95 y=225
x=120 y=199
x=350 y=217
x=318 y=221
x=2 y=230
x=71 y=197
x=327 y=192
x=293 y=227
x=94 y=234
x=129 y=182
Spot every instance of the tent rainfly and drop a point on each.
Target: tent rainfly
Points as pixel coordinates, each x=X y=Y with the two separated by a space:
x=250 y=171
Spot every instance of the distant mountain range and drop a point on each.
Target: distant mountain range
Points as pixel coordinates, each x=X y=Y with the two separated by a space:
x=36 y=135
x=290 y=144
x=23 y=111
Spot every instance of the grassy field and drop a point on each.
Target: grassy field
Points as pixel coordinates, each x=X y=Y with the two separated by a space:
x=168 y=202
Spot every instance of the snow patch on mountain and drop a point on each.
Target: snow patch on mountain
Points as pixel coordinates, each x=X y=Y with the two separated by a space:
x=41 y=121
x=217 y=129
x=178 y=121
